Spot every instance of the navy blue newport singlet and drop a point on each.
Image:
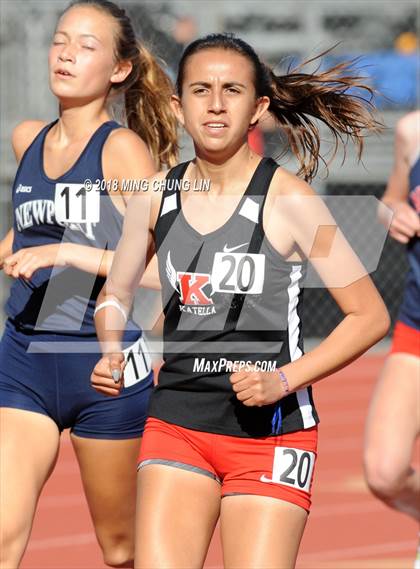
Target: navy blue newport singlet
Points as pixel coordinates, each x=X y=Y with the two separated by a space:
x=227 y=296
x=410 y=307
x=49 y=346
x=62 y=210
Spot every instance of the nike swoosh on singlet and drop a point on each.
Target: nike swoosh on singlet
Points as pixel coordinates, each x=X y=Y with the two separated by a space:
x=227 y=249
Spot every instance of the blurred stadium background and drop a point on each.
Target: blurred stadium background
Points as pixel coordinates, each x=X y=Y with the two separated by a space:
x=348 y=528
x=381 y=33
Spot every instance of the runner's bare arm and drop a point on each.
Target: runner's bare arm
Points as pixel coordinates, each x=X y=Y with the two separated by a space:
x=22 y=136
x=6 y=247
x=128 y=267
x=366 y=319
x=405 y=222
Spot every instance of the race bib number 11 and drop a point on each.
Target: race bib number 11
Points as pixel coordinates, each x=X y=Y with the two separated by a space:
x=74 y=204
x=137 y=363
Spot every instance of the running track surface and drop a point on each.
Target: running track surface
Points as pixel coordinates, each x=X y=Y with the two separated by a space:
x=347 y=528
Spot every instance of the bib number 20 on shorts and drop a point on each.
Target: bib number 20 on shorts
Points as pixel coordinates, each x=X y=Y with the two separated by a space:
x=292 y=467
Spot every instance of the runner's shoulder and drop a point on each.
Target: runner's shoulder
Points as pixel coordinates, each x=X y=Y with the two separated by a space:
x=156 y=185
x=284 y=183
x=291 y=199
x=126 y=152
x=24 y=134
x=153 y=187
x=407 y=127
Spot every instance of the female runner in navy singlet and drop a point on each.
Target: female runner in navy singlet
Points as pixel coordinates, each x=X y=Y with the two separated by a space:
x=232 y=425
x=59 y=252
x=394 y=420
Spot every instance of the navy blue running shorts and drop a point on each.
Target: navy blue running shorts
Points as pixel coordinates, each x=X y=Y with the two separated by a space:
x=50 y=374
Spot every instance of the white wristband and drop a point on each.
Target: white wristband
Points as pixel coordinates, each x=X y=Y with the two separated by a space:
x=113 y=303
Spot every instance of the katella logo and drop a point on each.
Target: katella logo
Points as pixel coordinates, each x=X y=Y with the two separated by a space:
x=190 y=287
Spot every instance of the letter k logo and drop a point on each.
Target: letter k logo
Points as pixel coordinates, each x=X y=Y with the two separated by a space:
x=191 y=285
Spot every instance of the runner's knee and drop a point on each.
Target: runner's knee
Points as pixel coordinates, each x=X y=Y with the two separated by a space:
x=385 y=477
x=12 y=544
x=118 y=551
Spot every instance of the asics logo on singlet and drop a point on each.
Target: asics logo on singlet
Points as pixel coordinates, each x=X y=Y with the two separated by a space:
x=23 y=189
x=227 y=249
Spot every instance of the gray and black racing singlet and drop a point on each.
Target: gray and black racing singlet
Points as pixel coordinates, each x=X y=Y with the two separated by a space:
x=228 y=296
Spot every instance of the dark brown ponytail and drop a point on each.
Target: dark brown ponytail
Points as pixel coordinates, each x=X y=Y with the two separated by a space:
x=298 y=99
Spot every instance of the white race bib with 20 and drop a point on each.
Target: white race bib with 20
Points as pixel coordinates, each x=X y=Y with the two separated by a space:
x=292 y=467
